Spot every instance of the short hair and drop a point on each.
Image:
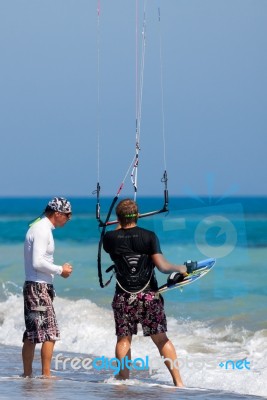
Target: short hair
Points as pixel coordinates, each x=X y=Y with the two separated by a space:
x=49 y=211
x=127 y=212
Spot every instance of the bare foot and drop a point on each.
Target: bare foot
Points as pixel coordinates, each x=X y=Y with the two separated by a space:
x=120 y=378
x=26 y=376
x=48 y=377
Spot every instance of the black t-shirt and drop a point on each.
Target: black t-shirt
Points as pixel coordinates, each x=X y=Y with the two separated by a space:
x=124 y=243
x=133 y=240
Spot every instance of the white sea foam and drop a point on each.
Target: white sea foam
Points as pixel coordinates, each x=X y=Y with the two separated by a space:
x=201 y=346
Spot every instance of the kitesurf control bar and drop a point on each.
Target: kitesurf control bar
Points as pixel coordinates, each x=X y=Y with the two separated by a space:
x=147 y=214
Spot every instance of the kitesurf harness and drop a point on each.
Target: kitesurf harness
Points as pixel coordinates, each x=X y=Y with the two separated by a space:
x=134 y=272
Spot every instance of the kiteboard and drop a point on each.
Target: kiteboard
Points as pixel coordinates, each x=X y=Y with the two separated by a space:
x=203 y=267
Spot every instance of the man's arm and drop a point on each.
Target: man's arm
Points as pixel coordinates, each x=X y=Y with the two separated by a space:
x=165 y=266
x=39 y=261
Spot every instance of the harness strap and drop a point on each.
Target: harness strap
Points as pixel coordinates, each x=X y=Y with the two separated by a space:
x=139 y=291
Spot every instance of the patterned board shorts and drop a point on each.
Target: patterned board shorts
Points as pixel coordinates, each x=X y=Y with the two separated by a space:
x=144 y=308
x=40 y=319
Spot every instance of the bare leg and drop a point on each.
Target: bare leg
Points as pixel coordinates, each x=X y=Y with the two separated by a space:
x=46 y=356
x=27 y=357
x=123 y=349
x=167 y=350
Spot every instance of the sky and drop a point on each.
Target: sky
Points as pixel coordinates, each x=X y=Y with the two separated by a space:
x=68 y=96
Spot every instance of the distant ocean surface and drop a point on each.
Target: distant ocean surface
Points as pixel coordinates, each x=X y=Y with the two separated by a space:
x=218 y=319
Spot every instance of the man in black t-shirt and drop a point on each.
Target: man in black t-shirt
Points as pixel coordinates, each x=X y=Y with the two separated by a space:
x=136 y=252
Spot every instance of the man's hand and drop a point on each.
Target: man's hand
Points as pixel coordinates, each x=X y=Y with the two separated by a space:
x=67 y=270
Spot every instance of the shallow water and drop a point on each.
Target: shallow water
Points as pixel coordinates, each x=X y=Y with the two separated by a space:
x=220 y=318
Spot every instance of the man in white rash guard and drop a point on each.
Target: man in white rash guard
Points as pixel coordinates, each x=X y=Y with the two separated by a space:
x=38 y=292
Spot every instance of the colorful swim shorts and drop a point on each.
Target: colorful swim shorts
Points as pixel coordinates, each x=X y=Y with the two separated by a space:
x=144 y=308
x=40 y=319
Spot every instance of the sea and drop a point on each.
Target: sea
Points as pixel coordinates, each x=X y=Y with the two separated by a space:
x=217 y=324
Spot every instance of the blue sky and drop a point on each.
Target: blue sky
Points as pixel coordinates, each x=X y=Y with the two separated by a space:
x=214 y=64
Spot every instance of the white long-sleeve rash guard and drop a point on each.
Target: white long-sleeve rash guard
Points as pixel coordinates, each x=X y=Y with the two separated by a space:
x=39 y=249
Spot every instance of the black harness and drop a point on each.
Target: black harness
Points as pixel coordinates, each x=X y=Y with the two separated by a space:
x=134 y=272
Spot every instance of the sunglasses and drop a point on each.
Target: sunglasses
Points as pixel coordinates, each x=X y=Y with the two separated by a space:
x=67 y=215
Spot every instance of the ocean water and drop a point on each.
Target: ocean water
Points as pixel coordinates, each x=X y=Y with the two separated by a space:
x=218 y=324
